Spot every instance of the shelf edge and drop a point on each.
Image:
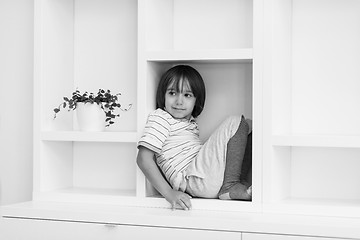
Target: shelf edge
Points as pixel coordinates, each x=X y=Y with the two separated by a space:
x=316 y=141
x=244 y=55
x=77 y=136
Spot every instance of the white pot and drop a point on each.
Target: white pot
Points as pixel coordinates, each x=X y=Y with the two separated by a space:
x=90 y=116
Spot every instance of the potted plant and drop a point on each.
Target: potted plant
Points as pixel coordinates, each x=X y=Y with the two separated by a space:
x=100 y=106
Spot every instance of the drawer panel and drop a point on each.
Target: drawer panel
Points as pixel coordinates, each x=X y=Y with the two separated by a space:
x=27 y=229
x=254 y=236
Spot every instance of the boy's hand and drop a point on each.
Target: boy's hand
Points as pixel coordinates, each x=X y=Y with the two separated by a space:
x=179 y=198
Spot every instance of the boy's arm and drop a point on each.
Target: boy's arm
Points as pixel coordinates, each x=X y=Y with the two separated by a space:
x=149 y=167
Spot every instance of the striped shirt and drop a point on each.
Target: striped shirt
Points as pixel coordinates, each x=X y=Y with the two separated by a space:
x=176 y=144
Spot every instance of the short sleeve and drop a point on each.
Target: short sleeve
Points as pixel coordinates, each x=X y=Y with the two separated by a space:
x=155 y=133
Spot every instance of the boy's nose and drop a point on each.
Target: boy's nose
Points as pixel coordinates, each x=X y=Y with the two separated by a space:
x=179 y=99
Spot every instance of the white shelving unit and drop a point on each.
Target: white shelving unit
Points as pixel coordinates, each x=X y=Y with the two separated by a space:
x=290 y=65
x=125 y=46
x=86 y=45
x=221 y=41
x=312 y=136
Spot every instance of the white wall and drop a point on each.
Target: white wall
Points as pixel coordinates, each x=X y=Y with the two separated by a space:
x=16 y=97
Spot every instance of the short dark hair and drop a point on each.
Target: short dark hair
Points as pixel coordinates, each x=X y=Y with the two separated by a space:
x=173 y=76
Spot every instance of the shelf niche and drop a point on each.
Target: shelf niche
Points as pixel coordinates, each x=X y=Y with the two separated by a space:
x=192 y=25
x=85 y=45
x=232 y=78
x=316 y=180
x=69 y=170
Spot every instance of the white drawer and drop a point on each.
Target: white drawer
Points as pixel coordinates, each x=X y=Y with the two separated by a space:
x=28 y=229
x=253 y=236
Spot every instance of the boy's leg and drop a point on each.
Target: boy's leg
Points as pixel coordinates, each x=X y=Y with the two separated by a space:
x=245 y=177
x=232 y=188
x=209 y=166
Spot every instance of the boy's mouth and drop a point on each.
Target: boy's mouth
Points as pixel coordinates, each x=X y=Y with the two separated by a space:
x=179 y=109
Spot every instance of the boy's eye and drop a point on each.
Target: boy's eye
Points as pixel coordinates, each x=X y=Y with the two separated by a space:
x=172 y=93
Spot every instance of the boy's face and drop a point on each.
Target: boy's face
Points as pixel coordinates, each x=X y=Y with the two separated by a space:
x=180 y=104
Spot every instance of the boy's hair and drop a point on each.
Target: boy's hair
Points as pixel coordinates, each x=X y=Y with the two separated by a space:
x=173 y=76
